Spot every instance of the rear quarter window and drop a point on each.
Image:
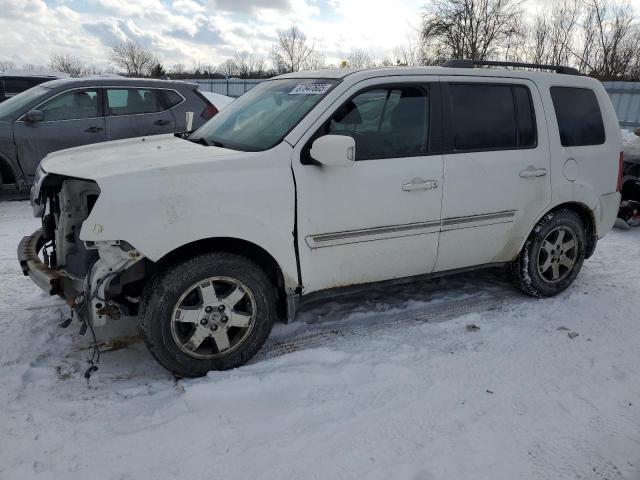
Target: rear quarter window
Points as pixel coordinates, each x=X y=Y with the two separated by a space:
x=579 y=117
x=169 y=98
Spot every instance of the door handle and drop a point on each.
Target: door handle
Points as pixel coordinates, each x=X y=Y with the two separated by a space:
x=419 y=184
x=93 y=129
x=532 y=171
x=161 y=122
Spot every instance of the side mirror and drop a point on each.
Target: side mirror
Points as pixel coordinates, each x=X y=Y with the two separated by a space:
x=33 y=116
x=334 y=150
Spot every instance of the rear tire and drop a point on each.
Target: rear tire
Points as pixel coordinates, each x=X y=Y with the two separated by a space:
x=552 y=256
x=211 y=312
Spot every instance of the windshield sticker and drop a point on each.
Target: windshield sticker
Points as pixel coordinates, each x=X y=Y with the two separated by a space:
x=311 y=89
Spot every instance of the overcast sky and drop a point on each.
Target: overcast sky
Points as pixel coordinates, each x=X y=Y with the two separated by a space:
x=183 y=31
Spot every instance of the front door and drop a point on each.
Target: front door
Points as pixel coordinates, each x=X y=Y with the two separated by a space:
x=70 y=119
x=496 y=170
x=380 y=218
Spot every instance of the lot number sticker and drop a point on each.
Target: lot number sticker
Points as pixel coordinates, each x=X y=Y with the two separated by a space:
x=310 y=89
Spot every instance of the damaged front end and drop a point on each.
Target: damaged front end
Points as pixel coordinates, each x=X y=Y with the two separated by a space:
x=98 y=280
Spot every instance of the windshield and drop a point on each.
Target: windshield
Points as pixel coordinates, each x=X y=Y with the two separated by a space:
x=263 y=116
x=17 y=102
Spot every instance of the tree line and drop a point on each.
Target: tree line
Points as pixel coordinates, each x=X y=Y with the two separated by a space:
x=600 y=38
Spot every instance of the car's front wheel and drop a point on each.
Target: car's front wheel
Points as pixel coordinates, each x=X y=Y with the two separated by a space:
x=552 y=255
x=211 y=312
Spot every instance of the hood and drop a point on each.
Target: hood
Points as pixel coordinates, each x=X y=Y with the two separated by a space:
x=130 y=156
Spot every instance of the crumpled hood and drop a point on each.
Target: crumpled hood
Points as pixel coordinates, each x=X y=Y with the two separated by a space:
x=131 y=156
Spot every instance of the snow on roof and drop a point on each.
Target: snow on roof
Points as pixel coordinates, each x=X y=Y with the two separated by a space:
x=33 y=73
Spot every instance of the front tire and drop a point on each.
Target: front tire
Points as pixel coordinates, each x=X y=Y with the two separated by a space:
x=211 y=312
x=552 y=255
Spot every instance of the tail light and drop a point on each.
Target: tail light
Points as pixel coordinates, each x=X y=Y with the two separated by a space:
x=208 y=112
x=619 y=188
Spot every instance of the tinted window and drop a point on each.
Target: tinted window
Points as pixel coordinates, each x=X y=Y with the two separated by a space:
x=385 y=123
x=72 y=105
x=526 y=118
x=169 y=98
x=131 y=101
x=579 y=117
x=17 y=85
x=483 y=116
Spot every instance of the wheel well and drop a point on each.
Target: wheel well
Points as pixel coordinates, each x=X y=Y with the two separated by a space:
x=240 y=247
x=586 y=215
x=7 y=175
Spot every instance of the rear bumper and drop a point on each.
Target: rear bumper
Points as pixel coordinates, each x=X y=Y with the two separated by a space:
x=46 y=278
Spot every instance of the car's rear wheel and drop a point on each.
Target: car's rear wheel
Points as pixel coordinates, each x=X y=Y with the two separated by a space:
x=552 y=255
x=211 y=312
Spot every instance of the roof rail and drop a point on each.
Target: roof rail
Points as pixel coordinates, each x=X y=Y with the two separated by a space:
x=465 y=63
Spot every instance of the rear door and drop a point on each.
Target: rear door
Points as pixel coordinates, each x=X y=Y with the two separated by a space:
x=134 y=112
x=70 y=119
x=496 y=169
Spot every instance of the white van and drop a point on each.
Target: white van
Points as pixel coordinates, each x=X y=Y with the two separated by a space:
x=316 y=181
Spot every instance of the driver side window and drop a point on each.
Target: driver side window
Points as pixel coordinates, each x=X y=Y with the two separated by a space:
x=72 y=105
x=385 y=122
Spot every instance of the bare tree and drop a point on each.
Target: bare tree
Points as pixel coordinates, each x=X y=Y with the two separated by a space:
x=245 y=63
x=260 y=67
x=68 y=64
x=178 y=68
x=136 y=59
x=475 y=29
x=611 y=43
x=315 y=61
x=208 y=69
x=291 y=50
x=562 y=24
x=360 y=58
x=7 y=65
x=228 y=68
x=414 y=52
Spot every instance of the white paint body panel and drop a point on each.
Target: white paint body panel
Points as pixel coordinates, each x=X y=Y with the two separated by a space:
x=478 y=183
x=363 y=198
x=162 y=193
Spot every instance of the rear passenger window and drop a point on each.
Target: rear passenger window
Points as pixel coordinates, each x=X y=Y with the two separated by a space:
x=579 y=117
x=131 y=101
x=491 y=117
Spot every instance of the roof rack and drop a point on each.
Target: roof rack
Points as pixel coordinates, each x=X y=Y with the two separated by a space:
x=464 y=63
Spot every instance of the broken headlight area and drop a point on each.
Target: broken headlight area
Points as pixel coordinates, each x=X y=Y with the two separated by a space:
x=99 y=280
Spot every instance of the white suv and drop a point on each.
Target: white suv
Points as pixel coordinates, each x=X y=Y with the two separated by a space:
x=314 y=181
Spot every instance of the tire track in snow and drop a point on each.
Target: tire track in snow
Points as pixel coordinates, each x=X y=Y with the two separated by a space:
x=333 y=331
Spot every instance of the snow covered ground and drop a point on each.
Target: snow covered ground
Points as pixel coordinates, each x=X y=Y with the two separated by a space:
x=393 y=384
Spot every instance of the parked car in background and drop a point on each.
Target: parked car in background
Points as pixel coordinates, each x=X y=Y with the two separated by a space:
x=13 y=82
x=69 y=113
x=219 y=100
x=305 y=186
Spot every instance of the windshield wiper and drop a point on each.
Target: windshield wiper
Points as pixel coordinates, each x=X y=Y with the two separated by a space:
x=205 y=142
x=201 y=141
